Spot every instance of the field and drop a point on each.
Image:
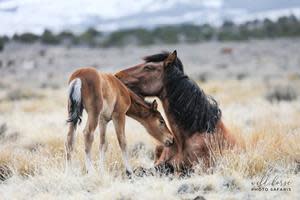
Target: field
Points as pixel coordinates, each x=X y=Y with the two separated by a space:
x=256 y=84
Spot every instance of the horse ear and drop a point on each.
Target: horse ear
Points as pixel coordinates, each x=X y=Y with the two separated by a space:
x=154 y=105
x=170 y=59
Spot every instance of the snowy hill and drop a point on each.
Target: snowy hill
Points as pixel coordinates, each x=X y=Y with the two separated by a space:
x=18 y=16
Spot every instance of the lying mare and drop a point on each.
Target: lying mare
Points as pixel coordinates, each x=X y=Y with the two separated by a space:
x=106 y=98
x=193 y=116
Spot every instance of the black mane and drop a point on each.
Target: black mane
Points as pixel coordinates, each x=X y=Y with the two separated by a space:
x=161 y=57
x=191 y=107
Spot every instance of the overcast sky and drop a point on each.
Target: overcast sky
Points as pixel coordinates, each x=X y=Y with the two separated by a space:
x=35 y=15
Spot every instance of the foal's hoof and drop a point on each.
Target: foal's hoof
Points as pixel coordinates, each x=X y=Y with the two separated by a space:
x=165 y=169
x=128 y=174
x=186 y=172
x=141 y=172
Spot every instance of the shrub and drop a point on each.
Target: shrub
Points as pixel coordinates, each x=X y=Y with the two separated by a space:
x=5 y=172
x=49 y=38
x=143 y=36
x=166 y=34
x=207 y=32
x=191 y=33
x=65 y=35
x=3 y=40
x=22 y=94
x=26 y=38
x=281 y=93
x=1 y=45
x=117 y=38
x=88 y=37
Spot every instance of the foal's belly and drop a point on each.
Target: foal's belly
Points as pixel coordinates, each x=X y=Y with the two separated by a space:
x=107 y=109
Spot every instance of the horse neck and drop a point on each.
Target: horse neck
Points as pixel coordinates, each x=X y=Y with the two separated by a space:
x=136 y=109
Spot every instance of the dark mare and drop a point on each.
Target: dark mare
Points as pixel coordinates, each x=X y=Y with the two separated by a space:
x=193 y=116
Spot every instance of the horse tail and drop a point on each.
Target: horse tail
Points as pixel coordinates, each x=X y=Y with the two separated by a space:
x=75 y=106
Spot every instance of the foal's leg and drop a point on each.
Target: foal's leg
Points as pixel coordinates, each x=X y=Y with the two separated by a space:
x=88 y=139
x=70 y=142
x=119 y=123
x=102 y=147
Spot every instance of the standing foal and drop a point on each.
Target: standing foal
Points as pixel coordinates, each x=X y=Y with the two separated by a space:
x=106 y=98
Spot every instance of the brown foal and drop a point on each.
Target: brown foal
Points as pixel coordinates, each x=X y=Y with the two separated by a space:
x=106 y=98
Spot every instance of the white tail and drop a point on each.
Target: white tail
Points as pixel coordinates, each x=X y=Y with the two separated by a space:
x=75 y=104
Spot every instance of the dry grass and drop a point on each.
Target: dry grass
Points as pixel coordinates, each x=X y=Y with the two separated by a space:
x=34 y=164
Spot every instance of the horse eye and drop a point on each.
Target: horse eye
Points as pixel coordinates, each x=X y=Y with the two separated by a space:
x=149 y=68
x=161 y=121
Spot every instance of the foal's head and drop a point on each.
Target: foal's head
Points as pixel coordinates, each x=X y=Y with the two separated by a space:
x=147 y=78
x=155 y=124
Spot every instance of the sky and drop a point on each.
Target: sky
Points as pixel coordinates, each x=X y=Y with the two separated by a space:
x=17 y=16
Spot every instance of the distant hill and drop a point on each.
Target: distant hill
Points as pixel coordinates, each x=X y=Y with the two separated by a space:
x=283 y=27
x=77 y=15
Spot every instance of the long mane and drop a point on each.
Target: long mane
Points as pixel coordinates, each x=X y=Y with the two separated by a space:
x=161 y=57
x=191 y=107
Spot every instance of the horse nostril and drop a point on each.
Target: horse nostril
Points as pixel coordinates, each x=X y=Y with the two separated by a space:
x=169 y=142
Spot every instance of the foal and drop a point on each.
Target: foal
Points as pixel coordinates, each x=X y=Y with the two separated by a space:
x=105 y=98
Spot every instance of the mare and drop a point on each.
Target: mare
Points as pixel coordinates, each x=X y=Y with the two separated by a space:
x=193 y=116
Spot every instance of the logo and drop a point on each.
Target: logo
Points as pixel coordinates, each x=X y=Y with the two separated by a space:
x=272 y=181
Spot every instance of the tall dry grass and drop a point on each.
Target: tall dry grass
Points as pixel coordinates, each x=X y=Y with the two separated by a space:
x=32 y=163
